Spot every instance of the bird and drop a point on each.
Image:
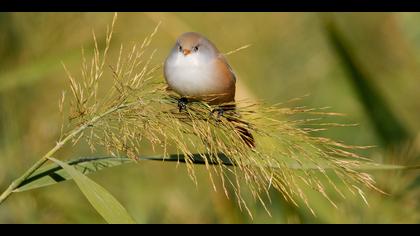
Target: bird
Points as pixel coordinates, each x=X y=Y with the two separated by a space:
x=196 y=70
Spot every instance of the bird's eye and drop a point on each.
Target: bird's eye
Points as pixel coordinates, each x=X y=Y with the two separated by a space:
x=195 y=48
x=180 y=48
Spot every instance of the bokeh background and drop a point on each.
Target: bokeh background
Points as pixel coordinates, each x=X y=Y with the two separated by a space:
x=365 y=65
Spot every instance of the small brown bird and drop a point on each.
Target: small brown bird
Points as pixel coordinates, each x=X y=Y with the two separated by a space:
x=196 y=70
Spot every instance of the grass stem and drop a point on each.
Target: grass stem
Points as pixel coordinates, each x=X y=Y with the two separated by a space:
x=16 y=183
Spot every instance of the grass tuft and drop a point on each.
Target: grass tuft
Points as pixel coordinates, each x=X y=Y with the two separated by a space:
x=138 y=109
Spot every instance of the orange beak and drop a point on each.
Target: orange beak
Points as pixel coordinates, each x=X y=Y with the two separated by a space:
x=186 y=52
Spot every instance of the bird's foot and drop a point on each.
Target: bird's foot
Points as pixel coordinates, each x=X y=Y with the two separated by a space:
x=182 y=104
x=220 y=111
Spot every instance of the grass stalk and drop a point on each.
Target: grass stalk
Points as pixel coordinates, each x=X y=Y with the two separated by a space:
x=16 y=183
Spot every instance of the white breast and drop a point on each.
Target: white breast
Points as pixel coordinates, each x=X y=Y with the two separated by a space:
x=191 y=75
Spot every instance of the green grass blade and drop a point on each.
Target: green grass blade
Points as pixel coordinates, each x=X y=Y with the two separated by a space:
x=54 y=173
x=103 y=202
x=389 y=128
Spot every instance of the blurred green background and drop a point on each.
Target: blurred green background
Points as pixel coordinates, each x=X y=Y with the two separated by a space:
x=365 y=65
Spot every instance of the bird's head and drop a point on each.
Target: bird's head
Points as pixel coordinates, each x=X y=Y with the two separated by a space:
x=194 y=43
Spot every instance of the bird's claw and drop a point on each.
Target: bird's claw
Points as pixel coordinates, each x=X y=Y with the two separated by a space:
x=182 y=104
x=219 y=111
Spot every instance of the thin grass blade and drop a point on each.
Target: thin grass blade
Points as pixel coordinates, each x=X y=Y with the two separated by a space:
x=54 y=173
x=103 y=202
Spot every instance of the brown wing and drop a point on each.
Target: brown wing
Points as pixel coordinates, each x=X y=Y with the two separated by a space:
x=227 y=81
x=223 y=59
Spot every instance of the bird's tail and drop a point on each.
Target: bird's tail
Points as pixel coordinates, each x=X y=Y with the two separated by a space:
x=241 y=127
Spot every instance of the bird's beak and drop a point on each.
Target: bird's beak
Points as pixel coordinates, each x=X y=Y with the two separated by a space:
x=186 y=52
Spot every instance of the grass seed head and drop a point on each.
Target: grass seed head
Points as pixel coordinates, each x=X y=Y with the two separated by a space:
x=137 y=109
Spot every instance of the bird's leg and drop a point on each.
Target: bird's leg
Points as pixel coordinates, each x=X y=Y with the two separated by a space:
x=220 y=111
x=182 y=104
